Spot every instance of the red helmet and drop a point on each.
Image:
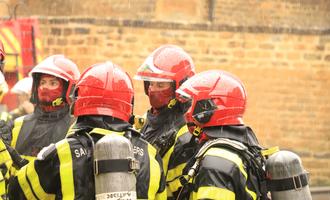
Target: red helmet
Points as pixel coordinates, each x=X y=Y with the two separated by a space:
x=217 y=98
x=2 y=56
x=60 y=67
x=168 y=63
x=104 y=89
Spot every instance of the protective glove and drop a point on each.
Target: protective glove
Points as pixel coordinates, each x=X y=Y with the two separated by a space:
x=6 y=131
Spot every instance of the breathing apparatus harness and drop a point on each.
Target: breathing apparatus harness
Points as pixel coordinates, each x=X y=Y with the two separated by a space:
x=252 y=156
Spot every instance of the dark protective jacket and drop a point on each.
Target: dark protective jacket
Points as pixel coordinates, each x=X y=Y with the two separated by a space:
x=37 y=130
x=223 y=173
x=65 y=170
x=168 y=132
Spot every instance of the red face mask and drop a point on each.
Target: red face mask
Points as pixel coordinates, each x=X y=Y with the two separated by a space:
x=49 y=95
x=161 y=98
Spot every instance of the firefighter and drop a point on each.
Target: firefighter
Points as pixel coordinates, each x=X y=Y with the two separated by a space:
x=103 y=106
x=2 y=57
x=23 y=91
x=53 y=82
x=229 y=163
x=163 y=71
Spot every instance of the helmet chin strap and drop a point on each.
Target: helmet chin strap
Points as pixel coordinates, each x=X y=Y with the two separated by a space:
x=56 y=102
x=172 y=103
x=197 y=131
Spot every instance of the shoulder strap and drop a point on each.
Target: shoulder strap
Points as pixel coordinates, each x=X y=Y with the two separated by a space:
x=253 y=158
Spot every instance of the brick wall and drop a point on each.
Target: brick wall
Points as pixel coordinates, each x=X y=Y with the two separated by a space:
x=280 y=49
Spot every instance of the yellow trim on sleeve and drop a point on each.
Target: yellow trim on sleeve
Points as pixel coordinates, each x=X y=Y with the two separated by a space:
x=233 y=158
x=66 y=169
x=24 y=184
x=172 y=177
x=213 y=193
x=35 y=184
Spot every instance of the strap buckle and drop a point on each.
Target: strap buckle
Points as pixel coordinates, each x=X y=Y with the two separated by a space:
x=297 y=182
x=96 y=167
x=133 y=164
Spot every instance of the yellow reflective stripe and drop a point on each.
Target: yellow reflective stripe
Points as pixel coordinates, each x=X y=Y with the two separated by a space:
x=154 y=173
x=161 y=196
x=106 y=132
x=213 y=193
x=251 y=193
x=234 y=158
x=168 y=154
x=4 y=154
x=29 y=158
x=166 y=159
x=24 y=184
x=18 y=123
x=183 y=130
x=35 y=184
x=11 y=37
x=172 y=177
x=2 y=186
x=270 y=151
x=66 y=169
x=229 y=156
x=11 y=61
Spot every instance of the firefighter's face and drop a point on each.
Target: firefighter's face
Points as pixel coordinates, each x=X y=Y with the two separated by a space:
x=159 y=86
x=49 y=82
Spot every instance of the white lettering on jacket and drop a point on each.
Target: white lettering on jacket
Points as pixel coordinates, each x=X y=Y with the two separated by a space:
x=138 y=150
x=80 y=152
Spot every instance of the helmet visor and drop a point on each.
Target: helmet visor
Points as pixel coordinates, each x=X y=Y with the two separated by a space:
x=182 y=96
x=149 y=72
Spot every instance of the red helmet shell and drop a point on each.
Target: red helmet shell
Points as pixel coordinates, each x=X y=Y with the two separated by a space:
x=58 y=66
x=218 y=98
x=104 y=89
x=168 y=63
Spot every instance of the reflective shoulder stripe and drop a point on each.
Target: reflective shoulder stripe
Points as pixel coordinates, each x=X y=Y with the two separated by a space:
x=102 y=131
x=24 y=184
x=66 y=169
x=35 y=184
x=213 y=193
x=154 y=173
x=18 y=123
x=182 y=131
x=228 y=155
